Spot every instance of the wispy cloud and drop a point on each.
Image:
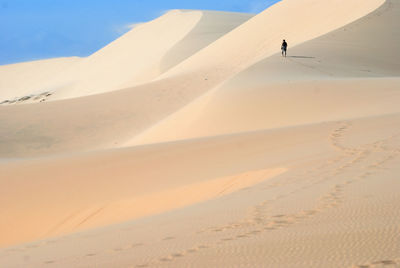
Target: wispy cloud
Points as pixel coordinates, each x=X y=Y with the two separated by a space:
x=122 y=29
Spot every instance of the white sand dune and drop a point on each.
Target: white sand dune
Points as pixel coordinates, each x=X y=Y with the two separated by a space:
x=261 y=36
x=139 y=56
x=217 y=151
x=344 y=74
x=149 y=50
x=72 y=126
x=126 y=113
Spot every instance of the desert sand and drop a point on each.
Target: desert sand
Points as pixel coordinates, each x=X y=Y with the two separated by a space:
x=191 y=142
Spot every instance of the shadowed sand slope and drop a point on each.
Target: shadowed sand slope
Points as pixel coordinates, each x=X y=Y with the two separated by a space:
x=89 y=123
x=344 y=74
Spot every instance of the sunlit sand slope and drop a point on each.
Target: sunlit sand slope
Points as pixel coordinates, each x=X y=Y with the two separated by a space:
x=343 y=74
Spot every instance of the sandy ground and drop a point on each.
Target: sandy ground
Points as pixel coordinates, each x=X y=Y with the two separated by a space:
x=235 y=159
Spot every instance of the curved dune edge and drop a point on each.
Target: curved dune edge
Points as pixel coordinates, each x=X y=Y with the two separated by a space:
x=178 y=197
x=235 y=109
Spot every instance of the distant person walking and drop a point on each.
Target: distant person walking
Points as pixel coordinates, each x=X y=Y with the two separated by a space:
x=284 y=48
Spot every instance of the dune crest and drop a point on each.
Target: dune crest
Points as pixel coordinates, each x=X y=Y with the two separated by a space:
x=261 y=36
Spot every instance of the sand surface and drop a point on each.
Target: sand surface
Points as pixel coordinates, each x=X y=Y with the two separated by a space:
x=210 y=149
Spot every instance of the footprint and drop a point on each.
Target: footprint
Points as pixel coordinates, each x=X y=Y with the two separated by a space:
x=90 y=255
x=178 y=255
x=282 y=222
x=385 y=262
x=137 y=245
x=309 y=212
x=242 y=236
x=166 y=259
x=192 y=250
x=378 y=264
x=259 y=220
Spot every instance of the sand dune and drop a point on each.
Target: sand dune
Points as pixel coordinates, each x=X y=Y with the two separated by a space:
x=78 y=125
x=341 y=75
x=210 y=149
x=149 y=50
x=126 y=113
x=261 y=36
x=137 y=57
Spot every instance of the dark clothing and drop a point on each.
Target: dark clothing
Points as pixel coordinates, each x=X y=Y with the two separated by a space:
x=284 y=46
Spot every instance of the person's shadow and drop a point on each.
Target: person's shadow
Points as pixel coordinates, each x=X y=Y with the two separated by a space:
x=301 y=57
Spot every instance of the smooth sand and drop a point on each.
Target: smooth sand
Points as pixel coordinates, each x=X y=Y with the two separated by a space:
x=227 y=156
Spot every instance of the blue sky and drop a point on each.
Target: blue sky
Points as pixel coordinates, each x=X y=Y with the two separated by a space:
x=38 y=29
